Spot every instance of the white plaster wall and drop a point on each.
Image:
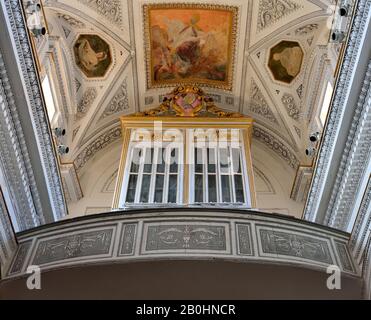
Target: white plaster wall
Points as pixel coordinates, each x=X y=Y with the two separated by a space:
x=98 y=171
x=274 y=188
x=273 y=180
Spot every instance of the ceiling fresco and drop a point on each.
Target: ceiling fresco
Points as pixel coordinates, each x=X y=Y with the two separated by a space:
x=285 y=60
x=265 y=59
x=92 y=55
x=190 y=43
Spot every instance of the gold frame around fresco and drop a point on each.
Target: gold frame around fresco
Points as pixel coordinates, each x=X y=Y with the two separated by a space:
x=224 y=85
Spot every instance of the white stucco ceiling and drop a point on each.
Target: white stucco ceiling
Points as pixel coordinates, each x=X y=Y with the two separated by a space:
x=282 y=111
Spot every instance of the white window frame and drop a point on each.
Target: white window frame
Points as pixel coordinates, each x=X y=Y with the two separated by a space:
x=230 y=174
x=156 y=146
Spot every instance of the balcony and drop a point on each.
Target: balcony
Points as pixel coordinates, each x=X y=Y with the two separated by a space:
x=183 y=252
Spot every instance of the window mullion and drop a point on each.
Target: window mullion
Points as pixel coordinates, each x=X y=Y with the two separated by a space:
x=179 y=188
x=153 y=176
x=231 y=179
x=127 y=174
x=140 y=175
x=219 y=177
x=166 y=175
x=205 y=173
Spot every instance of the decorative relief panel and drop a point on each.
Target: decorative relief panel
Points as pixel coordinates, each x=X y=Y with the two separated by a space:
x=244 y=239
x=86 y=101
x=299 y=91
x=289 y=102
x=185 y=236
x=7 y=237
x=20 y=257
x=258 y=105
x=148 y=100
x=128 y=239
x=289 y=244
x=344 y=256
x=277 y=146
x=77 y=245
x=118 y=103
x=71 y=21
x=109 y=9
x=163 y=236
x=98 y=144
x=271 y=11
x=304 y=30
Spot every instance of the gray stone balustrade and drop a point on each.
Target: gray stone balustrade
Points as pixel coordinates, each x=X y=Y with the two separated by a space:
x=182 y=233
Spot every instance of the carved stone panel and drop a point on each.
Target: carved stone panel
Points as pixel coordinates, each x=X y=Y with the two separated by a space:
x=244 y=239
x=20 y=257
x=295 y=245
x=344 y=256
x=128 y=239
x=186 y=236
x=72 y=246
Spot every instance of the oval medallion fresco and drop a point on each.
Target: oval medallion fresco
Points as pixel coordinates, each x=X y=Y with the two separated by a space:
x=92 y=55
x=285 y=60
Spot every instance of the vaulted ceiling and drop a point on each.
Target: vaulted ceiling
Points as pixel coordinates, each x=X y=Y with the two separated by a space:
x=281 y=103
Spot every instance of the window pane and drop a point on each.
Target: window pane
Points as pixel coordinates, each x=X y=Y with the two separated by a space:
x=212 y=187
x=147 y=167
x=159 y=188
x=49 y=100
x=171 y=197
x=238 y=185
x=130 y=195
x=226 y=197
x=145 y=188
x=199 y=188
x=198 y=160
x=136 y=160
x=174 y=160
x=236 y=160
x=211 y=167
x=223 y=153
x=160 y=160
x=326 y=103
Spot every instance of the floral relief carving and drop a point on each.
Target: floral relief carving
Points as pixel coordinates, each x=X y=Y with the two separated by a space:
x=186 y=237
x=119 y=102
x=71 y=21
x=98 y=144
x=270 y=11
x=277 y=146
x=86 y=101
x=110 y=9
x=306 y=29
x=258 y=105
x=290 y=105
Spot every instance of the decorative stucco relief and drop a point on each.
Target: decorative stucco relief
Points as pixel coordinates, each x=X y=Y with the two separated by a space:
x=119 y=102
x=259 y=105
x=98 y=144
x=77 y=245
x=108 y=9
x=271 y=11
x=304 y=30
x=86 y=101
x=276 y=145
x=290 y=105
x=73 y=22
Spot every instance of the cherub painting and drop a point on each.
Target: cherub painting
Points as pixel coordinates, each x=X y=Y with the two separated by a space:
x=190 y=44
x=92 y=55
